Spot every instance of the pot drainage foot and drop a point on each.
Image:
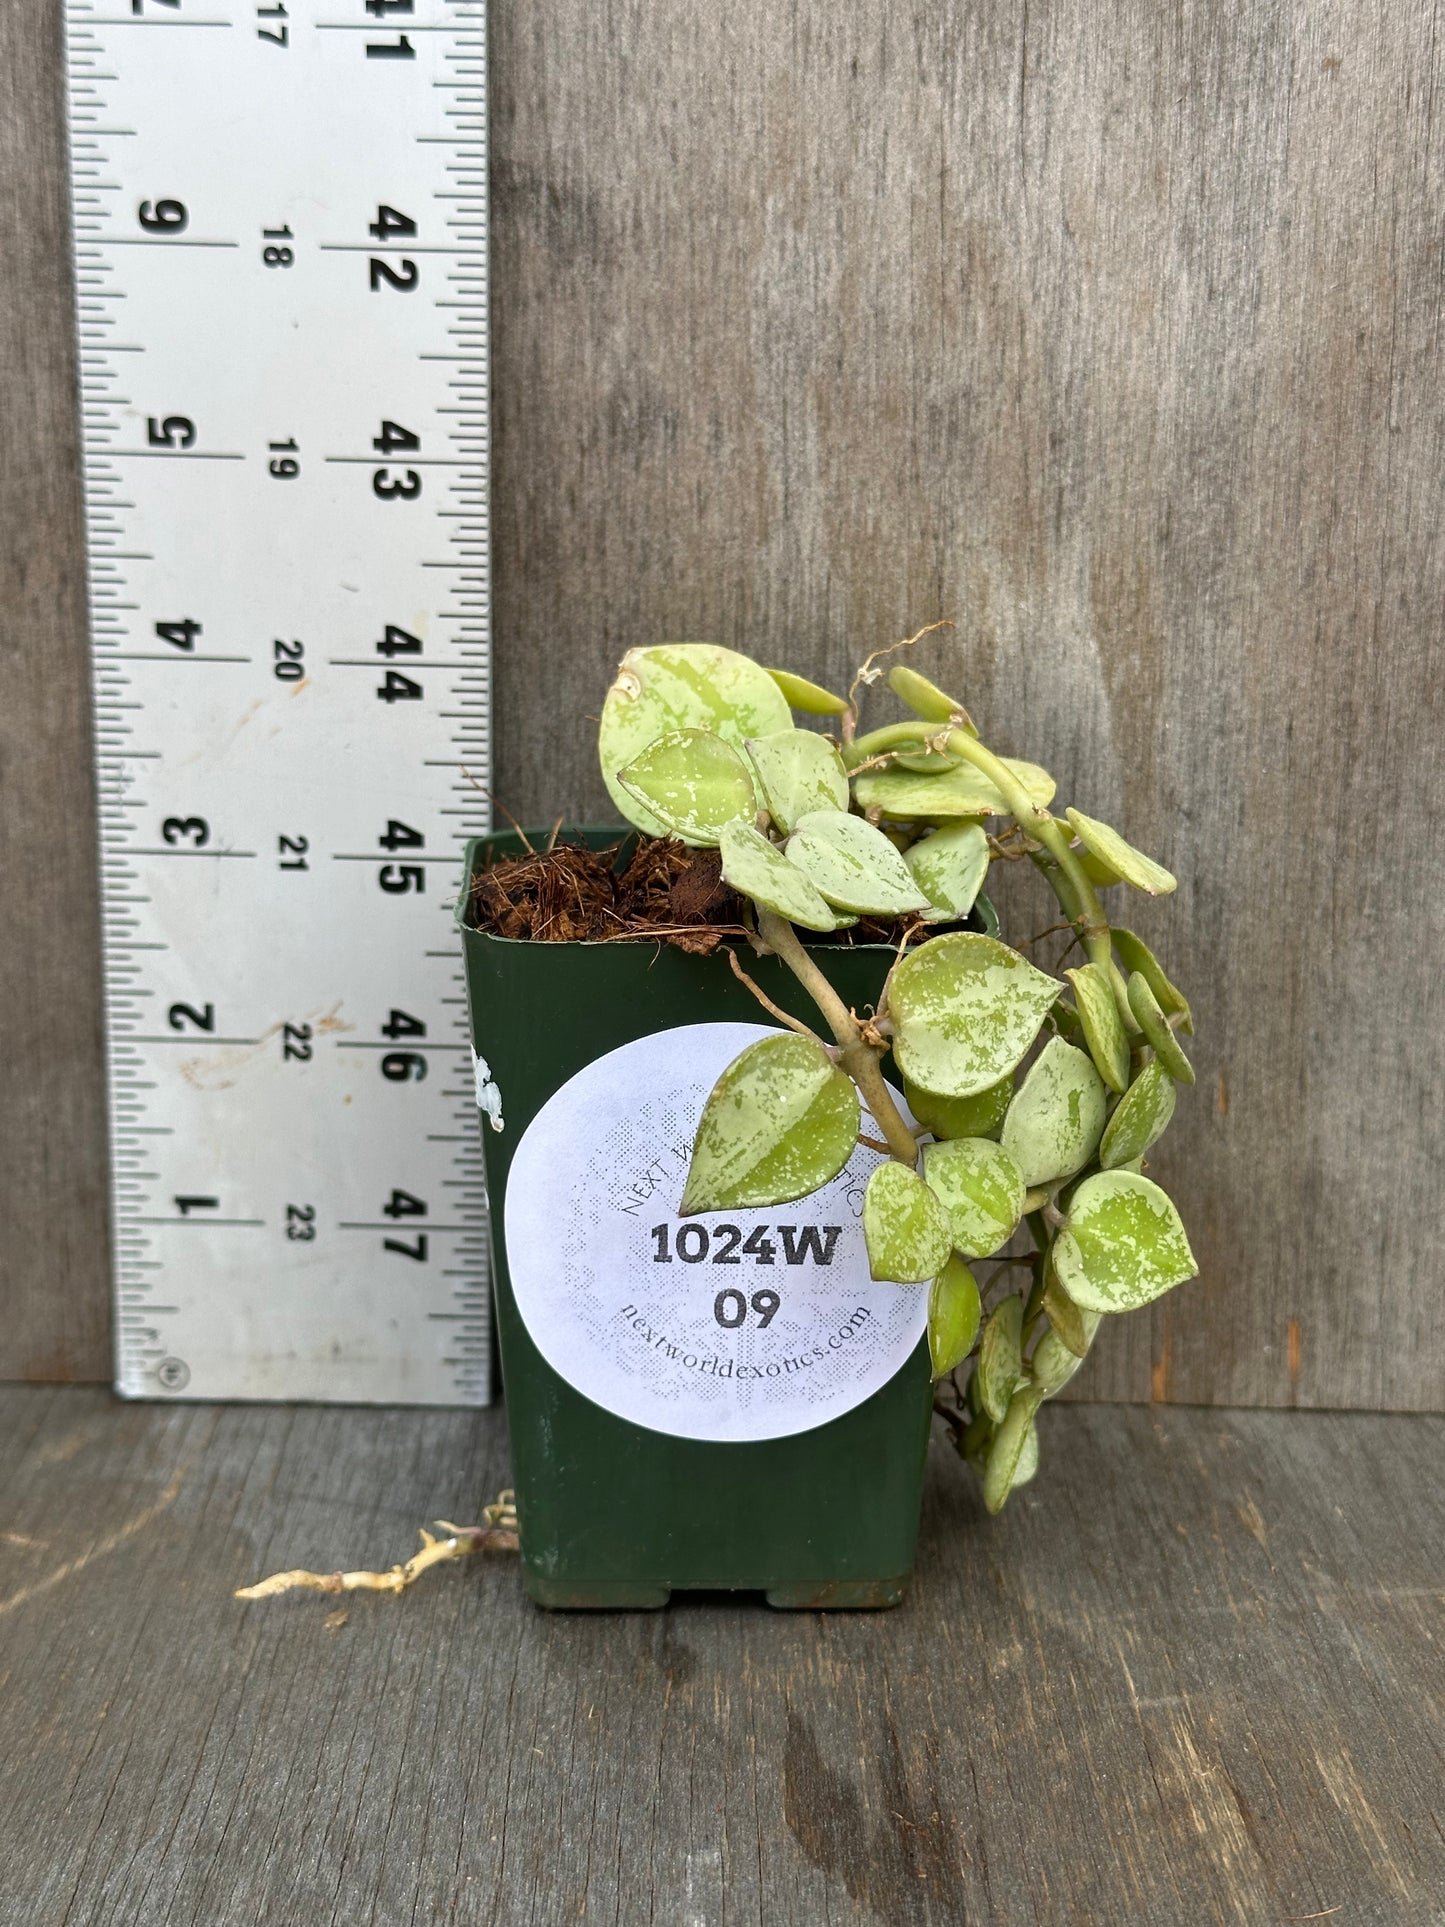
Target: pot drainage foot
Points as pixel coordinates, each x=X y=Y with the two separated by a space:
x=606 y=1596
x=840 y=1594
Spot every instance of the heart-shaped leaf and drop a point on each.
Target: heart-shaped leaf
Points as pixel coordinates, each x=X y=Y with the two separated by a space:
x=854 y=864
x=809 y=697
x=904 y=1226
x=1135 y=954
x=965 y=1008
x=960 y=791
x=982 y=1190
x=1057 y=1119
x=758 y=869
x=1123 y=1244
x=1074 y=1326
x=927 y=700
x=800 y=773
x=693 y=783
x=1000 y=1358
x=780 y=1121
x=950 y=1117
x=954 y=1310
x=681 y=685
x=949 y=867
x=1157 y=1034
x=1103 y=1026
x=1140 y=1118
x=1121 y=857
x=1011 y=1461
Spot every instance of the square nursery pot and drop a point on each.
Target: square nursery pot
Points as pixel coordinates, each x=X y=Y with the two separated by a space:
x=720 y=1402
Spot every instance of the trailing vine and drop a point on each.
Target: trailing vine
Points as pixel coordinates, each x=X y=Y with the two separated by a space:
x=1029 y=1101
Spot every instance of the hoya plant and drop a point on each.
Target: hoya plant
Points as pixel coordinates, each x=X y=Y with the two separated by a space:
x=1030 y=1101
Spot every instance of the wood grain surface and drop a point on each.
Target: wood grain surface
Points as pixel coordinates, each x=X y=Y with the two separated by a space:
x=1111 y=333
x=1192 y=1675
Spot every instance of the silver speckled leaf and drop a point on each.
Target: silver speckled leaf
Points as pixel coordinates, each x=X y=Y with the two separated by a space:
x=1057 y=1119
x=1013 y=1456
x=800 y=773
x=1000 y=1361
x=693 y=783
x=981 y=1188
x=1140 y=1118
x=954 y=1310
x=681 y=685
x=950 y=867
x=965 y=1009
x=758 y=869
x=1074 y=1325
x=1053 y=1364
x=854 y=865
x=1098 y=1010
x=904 y=1226
x=1123 y=1244
x=780 y=1121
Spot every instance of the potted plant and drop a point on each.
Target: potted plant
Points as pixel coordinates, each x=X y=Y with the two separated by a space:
x=765 y=1087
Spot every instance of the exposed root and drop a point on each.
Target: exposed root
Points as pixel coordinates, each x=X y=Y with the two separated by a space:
x=783 y=1016
x=497 y=1533
x=868 y=674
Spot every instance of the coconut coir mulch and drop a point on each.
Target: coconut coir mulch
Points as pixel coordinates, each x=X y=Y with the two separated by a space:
x=663 y=893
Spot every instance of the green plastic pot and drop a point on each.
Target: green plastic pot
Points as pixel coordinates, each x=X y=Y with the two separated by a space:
x=613 y=1514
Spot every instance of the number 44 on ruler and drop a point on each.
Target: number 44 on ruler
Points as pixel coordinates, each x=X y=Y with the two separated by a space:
x=280 y=229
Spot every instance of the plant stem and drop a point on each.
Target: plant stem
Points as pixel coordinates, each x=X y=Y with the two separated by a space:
x=1066 y=875
x=893 y=736
x=858 y=1059
x=1069 y=881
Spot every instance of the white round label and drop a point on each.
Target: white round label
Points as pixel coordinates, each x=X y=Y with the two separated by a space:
x=737 y=1325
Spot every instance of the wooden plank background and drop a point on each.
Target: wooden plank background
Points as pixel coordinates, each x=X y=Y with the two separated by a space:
x=1112 y=333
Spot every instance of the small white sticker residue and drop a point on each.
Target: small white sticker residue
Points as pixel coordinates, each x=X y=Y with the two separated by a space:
x=731 y=1326
x=489 y=1098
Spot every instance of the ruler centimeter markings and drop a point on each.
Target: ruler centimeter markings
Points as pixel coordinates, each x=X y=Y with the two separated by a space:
x=280 y=233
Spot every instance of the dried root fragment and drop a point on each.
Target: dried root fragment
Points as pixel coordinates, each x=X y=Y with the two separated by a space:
x=497 y=1533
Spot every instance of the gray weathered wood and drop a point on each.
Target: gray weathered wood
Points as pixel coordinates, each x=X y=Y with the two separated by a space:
x=1193 y=1675
x=1112 y=333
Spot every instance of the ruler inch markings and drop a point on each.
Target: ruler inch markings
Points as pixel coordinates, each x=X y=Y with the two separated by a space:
x=260 y=247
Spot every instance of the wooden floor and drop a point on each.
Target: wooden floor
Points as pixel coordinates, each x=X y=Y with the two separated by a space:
x=1195 y=1675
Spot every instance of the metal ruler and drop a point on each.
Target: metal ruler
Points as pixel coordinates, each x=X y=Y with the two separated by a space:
x=280 y=224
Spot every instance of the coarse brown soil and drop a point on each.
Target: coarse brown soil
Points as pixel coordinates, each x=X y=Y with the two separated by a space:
x=658 y=891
